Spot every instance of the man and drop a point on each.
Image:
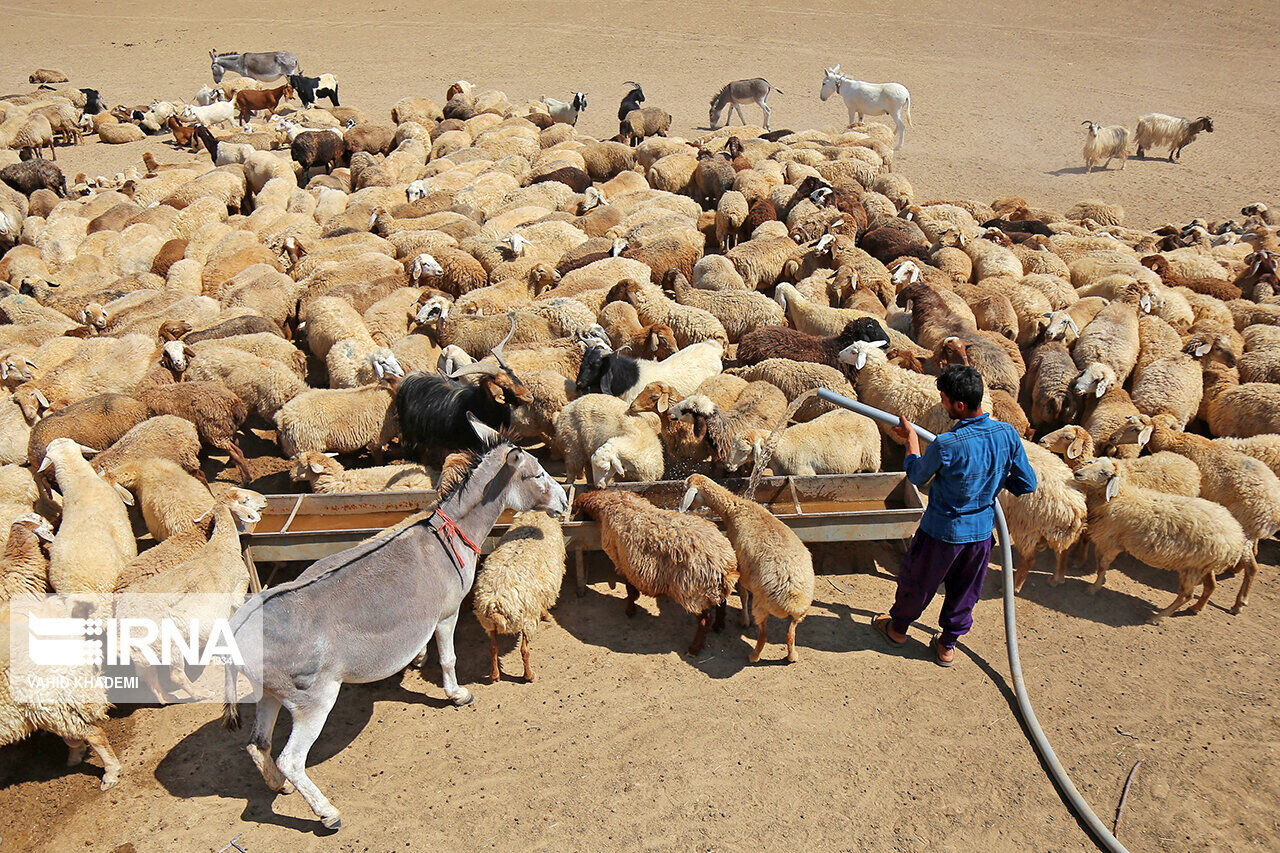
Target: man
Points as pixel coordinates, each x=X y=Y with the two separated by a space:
x=969 y=466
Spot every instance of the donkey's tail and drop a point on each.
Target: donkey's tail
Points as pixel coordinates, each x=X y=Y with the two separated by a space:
x=776 y=89
x=230 y=708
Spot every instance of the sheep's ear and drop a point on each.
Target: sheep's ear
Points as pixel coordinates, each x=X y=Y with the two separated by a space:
x=664 y=402
x=690 y=495
x=45 y=533
x=1113 y=486
x=1072 y=325
x=316 y=467
x=125 y=494
x=42 y=399
x=617 y=466
x=1100 y=389
x=1075 y=448
x=1144 y=435
x=881 y=344
x=332 y=454
x=1202 y=349
x=86 y=450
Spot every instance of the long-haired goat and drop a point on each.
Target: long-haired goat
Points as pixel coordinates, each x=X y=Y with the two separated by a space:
x=1155 y=129
x=1104 y=144
x=433 y=409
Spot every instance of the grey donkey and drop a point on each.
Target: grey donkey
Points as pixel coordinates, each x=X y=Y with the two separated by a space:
x=366 y=613
x=739 y=92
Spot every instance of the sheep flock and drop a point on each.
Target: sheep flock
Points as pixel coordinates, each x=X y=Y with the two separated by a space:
x=647 y=307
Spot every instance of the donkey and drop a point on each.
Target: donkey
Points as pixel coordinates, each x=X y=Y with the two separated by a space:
x=260 y=66
x=872 y=99
x=366 y=613
x=740 y=92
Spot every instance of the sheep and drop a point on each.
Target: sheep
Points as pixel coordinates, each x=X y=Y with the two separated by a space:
x=1104 y=144
x=32 y=175
x=33 y=136
x=738 y=311
x=317 y=148
x=1050 y=372
x=264 y=385
x=1162 y=472
x=641 y=123
x=163 y=436
x=94 y=422
x=327 y=476
x=660 y=552
x=884 y=385
x=1242 y=484
x=345 y=420
x=1194 y=537
x=625 y=377
x=95 y=539
x=761 y=261
x=1240 y=411
x=835 y=442
x=1265 y=448
x=587 y=424
x=519 y=583
x=76 y=722
x=1155 y=129
x=1259 y=366
x=760 y=406
x=780 y=341
x=794 y=379
x=775 y=568
x=1170 y=383
x=1112 y=337
x=169 y=498
x=24 y=569
x=636 y=455
x=1052 y=516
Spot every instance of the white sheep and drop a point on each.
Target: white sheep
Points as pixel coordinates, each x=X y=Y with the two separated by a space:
x=519 y=583
x=327 y=476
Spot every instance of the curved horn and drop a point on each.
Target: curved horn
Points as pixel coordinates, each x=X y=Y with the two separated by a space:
x=477 y=367
x=497 y=351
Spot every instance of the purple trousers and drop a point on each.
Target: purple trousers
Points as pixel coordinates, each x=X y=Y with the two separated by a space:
x=959 y=569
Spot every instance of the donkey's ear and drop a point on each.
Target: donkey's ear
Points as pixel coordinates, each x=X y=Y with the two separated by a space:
x=487 y=434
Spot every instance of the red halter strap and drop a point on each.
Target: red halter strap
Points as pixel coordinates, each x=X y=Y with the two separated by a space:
x=446 y=529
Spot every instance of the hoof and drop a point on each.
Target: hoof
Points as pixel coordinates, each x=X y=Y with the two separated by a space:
x=1235 y=610
x=1155 y=620
x=529 y=677
x=463 y=697
x=793 y=658
x=285 y=787
x=1093 y=589
x=332 y=822
x=753 y=658
x=109 y=781
x=1055 y=581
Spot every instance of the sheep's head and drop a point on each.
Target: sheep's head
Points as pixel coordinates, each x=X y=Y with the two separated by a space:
x=606 y=466
x=37 y=524
x=1100 y=474
x=1208 y=347
x=1069 y=441
x=432 y=306
x=385 y=364
x=592 y=198
x=863 y=329
x=1059 y=325
x=951 y=351
x=1255 y=209
x=745 y=447
x=1203 y=123
x=659 y=342
x=176 y=356
x=908 y=272
x=656 y=397
x=425 y=265
x=542 y=277
x=172 y=330
x=16 y=369
x=94 y=316
x=32 y=402
x=1093 y=126
x=1096 y=379
x=310 y=464
x=858 y=353
x=451 y=359
x=415 y=191
x=595 y=361
x=1136 y=429
x=516 y=244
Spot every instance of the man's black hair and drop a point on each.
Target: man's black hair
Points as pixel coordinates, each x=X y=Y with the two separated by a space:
x=962 y=384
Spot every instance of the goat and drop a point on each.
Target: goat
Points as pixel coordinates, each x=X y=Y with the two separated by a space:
x=249 y=101
x=311 y=89
x=1105 y=143
x=1159 y=129
x=630 y=101
x=433 y=409
x=185 y=137
x=566 y=113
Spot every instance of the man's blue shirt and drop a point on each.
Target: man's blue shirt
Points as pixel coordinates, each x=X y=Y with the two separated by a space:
x=969 y=466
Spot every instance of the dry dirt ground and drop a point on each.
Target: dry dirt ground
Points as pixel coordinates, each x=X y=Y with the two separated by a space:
x=623 y=741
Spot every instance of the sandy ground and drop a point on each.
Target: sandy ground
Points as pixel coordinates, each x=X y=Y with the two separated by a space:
x=623 y=741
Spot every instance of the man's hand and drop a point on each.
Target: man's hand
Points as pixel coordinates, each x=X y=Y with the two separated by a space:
x=905 y=431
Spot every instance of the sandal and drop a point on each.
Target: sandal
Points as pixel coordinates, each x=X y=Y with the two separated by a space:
x=939 y=651
x=881 y=623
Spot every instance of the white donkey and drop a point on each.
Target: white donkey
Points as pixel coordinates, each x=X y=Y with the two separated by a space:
x=872 y=99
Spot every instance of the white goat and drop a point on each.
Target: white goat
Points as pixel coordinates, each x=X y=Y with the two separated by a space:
x=1104 y=143
x=872 y=99
x=211 y=114
x=1159 y=129
x=566 y=113
x=208 y=95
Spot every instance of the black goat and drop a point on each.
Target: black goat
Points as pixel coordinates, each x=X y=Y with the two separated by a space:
x=631 y=101
x=1023 y=226
x=433 y=409
x=606 y=372
x=311 y=89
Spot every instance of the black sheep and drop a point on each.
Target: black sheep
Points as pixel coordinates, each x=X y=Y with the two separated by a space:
x=784 y=342
x=318 y=148
x=31 y=175
x=631 y=101
x=1019 y=226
